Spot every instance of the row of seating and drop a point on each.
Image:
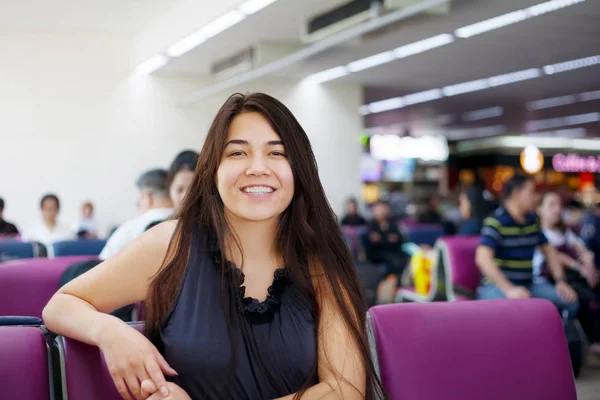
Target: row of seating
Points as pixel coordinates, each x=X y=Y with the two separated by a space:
x=27 y=285
x=425 y=351
x=13 y=249
x=419 y=234
x=454 y=274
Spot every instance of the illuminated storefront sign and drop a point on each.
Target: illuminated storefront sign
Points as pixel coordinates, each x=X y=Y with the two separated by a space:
x=391 y=147
x=576 y=163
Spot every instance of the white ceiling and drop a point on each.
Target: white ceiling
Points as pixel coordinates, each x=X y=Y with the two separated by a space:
x=103 y=16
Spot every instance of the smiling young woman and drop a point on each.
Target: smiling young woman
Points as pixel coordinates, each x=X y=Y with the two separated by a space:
x=251 y=291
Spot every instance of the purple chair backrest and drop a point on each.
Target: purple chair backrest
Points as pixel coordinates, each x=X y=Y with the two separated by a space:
x=24 y=371
x=458 y=254
x=27 y=285
x=493 y=350
x=84 y=372
x=352 y=233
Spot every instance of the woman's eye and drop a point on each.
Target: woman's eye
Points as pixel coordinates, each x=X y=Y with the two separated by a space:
x=278 y=153
x=236 y=154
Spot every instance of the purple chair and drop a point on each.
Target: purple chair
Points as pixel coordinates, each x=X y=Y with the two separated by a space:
x=457 y=257
x=24 y=372
x=493 y=350
x=27 y=285
x=84 y=372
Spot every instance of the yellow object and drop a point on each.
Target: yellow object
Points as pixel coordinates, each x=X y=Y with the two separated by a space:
x=420 y=266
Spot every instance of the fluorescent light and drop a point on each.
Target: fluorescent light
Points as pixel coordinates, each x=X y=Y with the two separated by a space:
x=445 y=119
x=513 y=17
x=466 y=87
x=222 y=23
x=562 y=121
x=386 y=105
x=364 y=110
x=514 y=77
x=485 y=113
x=572 y=133
x=484 y=131
x=520 y=142
x=151 y=65
x=423 y=45
x=187 y=44
x=491 y=82
x=422 y=97
x=550 y=6
x=571 y=65
x=250 y=7
x=550 y=102
x=213 y=28
x=491 y=24
x=589 y=96
x=328 y=75
x=370 y=62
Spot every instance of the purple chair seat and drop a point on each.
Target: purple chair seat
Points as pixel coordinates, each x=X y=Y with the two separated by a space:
x=24 y=371
x=493 y=350
x=458 y=260
x=84 y=372
x=27 y=285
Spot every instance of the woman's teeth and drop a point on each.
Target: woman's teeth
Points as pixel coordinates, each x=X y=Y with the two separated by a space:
x=258 y=189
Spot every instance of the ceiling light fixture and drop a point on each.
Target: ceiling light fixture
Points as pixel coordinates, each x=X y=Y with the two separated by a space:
x=485 y=113
x=151 y=65
x=423 y=45
x=571 y=65
x=217 y=26
x=370 y=62
x=550 y=102
x=328 y=75
x=513 y=17
x=552 y=123
x=493 y=81
x=250 y=7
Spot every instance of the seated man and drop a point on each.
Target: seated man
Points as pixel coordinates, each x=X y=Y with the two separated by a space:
x=156 y=206
x=384 y=245
x=6 y=228
x=509 y=239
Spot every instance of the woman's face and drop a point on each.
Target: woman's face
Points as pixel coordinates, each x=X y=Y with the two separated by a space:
x=464 y=205
x=255 y=179
x=351 y=207
x=179 y=187
x=550 y=210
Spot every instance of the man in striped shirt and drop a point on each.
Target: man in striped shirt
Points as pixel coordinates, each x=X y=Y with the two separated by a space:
x=509 y=238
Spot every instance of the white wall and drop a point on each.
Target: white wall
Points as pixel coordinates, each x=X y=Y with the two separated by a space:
x=74 y=122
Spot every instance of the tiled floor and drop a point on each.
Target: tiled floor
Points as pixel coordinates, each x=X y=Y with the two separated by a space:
x=588 y=383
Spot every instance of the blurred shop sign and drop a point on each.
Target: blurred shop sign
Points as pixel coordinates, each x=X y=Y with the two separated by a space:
x=576 y=163
x=392 y=147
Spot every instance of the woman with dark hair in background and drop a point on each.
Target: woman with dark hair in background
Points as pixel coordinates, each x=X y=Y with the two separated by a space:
x=251 y=291
x=353 y=217
x=474 y=207
x=577 y=260
x=181 y=175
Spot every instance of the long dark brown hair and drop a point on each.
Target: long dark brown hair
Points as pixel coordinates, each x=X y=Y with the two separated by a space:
x=308 y=236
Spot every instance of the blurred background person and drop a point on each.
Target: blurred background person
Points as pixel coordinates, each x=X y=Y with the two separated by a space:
x=154 y=203
x=181 y=173
x=431 y=214
x=6 y=228
x=353 y=217
x=578 y=261
x=87 y=227
x=474 y=208
x=48 y=229
x=384 y=242
x=509 y=239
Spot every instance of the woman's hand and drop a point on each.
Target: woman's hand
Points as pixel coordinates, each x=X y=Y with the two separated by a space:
x=149 y=392
x=131 y=359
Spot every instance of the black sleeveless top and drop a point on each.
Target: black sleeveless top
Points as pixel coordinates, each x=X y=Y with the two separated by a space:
x=275 y=340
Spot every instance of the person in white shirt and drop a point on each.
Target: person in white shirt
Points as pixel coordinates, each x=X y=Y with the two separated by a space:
x=86 y=228
x=48 y=230
x=156 y=206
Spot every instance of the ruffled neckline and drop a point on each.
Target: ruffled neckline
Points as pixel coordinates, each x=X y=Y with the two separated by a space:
x=256 y=310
